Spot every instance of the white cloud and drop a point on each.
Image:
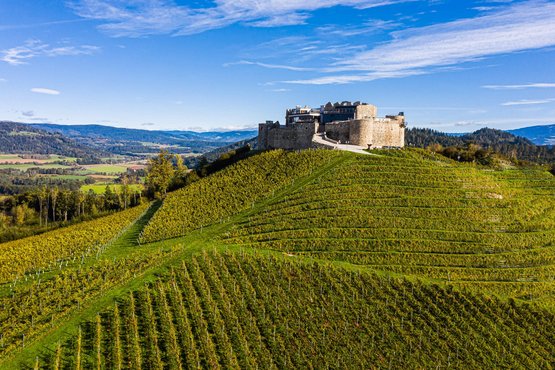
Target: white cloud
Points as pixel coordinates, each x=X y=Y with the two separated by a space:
x=347 y=79
x=281 y=20
x=35 y=48
x=518 y=27
x=42 y=90
x=148 y=17
x=270 y=66
x=528 y=102
x=541 y=85
x=280 y=90
x=28 y=113
x=369 y=27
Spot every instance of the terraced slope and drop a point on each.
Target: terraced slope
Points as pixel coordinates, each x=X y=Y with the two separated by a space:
x=234 y=310
x=311 y=259
x=476 y=228
x=234 y=189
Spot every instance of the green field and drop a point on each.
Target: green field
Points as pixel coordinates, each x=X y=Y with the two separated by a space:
x=106 y=168
x=101 y=188
x=315 y=259
x=26 y=166
x=51 y=158
x=68 y=177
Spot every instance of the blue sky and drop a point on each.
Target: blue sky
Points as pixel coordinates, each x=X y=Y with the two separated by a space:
x=454 y=66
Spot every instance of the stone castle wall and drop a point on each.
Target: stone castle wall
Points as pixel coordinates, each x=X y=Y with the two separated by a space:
x=275 y=136
x=362 y=132
x=376 y=132
x=366 y=111
x=388 y=132
x=365 y=130
x=338 y=131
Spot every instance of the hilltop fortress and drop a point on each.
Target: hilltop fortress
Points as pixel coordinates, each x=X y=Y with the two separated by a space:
x=336 y=124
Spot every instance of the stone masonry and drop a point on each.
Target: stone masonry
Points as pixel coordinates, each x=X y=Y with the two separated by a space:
x=343 y=123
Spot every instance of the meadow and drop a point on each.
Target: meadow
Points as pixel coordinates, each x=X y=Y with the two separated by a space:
x=106 y=168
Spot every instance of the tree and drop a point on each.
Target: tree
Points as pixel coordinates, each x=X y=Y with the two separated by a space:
x=54 y=192
x=111 y=199
x=180 y=175
x=80 y=200
x=4 y=221
x=125 y=196
x=65 y=203
x=42 y=195
x=160 y=173
x=19 y=214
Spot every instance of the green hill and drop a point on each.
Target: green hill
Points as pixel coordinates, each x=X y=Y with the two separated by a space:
x=312 y=259
x=22 y=138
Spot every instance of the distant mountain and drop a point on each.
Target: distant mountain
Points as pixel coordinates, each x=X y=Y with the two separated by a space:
x=502 y=142
x=539 y=135
x=127 y=141
x=22 y=138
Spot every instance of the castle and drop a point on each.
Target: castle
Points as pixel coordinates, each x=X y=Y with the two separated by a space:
x=343 y=123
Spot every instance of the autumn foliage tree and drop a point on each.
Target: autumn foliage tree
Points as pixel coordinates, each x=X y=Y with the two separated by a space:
x=160 y=172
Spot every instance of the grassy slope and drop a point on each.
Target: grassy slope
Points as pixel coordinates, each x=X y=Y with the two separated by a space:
x=207 y=238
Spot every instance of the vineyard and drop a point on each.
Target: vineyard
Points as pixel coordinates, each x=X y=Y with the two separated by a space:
x=409 y=215
x=234 y=310
x=53 y=249
x=312 y=259
x=234 y=189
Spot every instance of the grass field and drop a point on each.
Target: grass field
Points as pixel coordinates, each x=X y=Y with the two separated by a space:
x=307 y=260
x=101 y=188
x=17 y=159
x=26 y=166
x=106 y=168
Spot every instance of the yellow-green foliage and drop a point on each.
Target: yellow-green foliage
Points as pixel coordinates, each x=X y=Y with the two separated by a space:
x=41 y=251
x=230 y=191
x=412 y=215
x=235 y=310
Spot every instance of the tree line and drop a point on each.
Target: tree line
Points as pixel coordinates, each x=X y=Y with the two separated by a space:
x=49 y=207
x=515 y=148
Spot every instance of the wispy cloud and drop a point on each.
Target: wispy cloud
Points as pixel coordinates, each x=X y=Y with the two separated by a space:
x=518 y=27
x=35 y=48
x=280 y=90
x=7 y=27
x=541 y=85
x=270 y=66
x=528 y=102
x=150 y=17
x=352 y=78
x=369 y=27
x=42 y=90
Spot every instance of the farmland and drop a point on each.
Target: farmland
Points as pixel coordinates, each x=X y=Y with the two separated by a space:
x=303 y=260
x=105 y=168
x=21 y=172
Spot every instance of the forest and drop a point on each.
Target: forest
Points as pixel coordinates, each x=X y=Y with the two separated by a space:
x=487 y=140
